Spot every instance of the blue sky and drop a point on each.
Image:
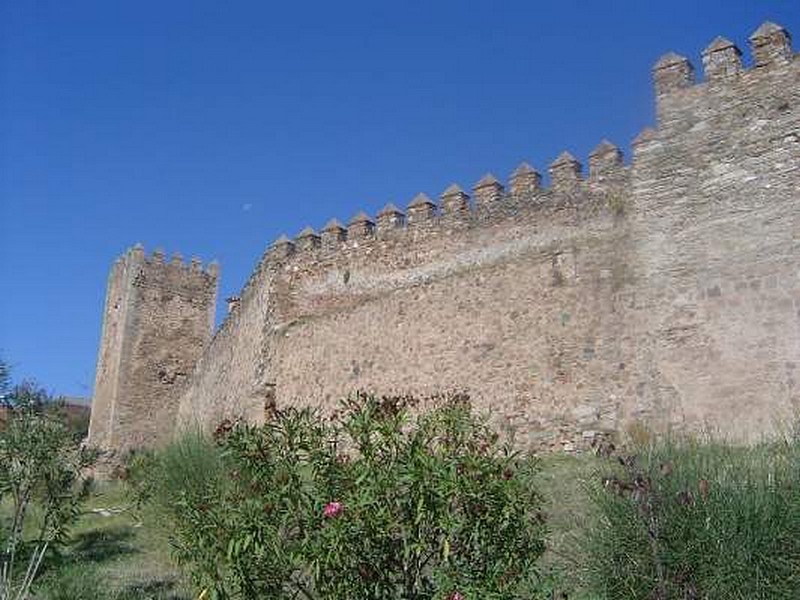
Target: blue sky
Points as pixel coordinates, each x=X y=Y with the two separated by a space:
x=211 y=127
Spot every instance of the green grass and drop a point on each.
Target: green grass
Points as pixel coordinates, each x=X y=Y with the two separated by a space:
x=124 y=556
x=563 y=481
x=726 y=520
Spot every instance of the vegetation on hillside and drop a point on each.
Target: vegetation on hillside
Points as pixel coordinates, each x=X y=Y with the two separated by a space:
x=372 y=503
x=685 y=519
x=42 y=483
x=386 y=501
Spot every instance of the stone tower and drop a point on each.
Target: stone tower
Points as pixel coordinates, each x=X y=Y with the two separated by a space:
x=158 y=319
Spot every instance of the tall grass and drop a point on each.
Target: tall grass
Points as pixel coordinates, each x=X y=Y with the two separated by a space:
x=178 y=486
x=87 y=582
x=191 y=466
x=684 y=519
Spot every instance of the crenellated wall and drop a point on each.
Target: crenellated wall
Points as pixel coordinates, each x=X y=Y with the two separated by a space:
x=518 y=306
x=665 y=290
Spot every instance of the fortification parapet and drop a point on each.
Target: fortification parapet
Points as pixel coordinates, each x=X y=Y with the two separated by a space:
x=136 y=253
x=283 y=247
x=771 y=44
x=360 y=227
x=646 y=136
x=488 y=192
x=527 y=201
x=307 y=240
x=681 y=101
x=565 y=173
x=605 y=160
x=333 y=234
x=672 y=72
x=722 y=59
x=175 y=274
x=454 y=201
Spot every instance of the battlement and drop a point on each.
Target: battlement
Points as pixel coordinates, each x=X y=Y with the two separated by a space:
x=724 y=71
x=676 y=90
x=771 y=47
x=491 y=202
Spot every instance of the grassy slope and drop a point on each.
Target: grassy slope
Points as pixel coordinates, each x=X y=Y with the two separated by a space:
x=126 y=556
x=119 y=557
x=123 y=557
x=562 y=482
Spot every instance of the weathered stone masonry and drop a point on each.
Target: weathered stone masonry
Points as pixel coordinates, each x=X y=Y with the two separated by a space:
x=158 y=320
x=666 y=291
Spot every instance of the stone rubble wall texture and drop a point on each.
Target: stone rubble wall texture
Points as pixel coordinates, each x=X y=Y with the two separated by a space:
x=664 y=292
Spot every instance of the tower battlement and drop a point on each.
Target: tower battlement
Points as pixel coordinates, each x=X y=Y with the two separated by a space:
x=156 y=269
x=726 y=78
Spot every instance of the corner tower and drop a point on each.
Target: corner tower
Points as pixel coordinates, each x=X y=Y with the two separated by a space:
x=158 y=319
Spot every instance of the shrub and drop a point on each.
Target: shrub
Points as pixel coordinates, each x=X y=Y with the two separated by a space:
x=373 y=503
x=687 y=519
x=42 y=481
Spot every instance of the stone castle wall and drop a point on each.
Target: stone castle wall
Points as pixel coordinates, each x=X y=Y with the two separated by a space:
x=718 y=186
x=231 y=376
x=663 y=291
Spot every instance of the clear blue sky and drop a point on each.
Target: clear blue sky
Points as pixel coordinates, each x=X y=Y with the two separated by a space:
x=212 y=127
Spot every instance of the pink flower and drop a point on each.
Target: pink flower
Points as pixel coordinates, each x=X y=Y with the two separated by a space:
x=332 y=509
x=455 y=596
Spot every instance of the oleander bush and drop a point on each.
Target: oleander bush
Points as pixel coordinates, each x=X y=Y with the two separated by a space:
x=688 y=519
x=43 y=482
x=378 y=501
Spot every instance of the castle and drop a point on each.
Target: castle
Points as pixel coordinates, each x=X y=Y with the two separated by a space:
x=666 y=291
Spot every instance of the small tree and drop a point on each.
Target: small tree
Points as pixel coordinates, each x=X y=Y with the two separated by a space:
x=40 y=465
x=373 y=503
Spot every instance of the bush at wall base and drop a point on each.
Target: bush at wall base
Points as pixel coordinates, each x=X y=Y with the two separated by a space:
x=371 y=503
x=689 y=519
